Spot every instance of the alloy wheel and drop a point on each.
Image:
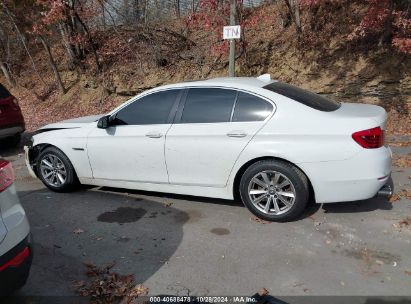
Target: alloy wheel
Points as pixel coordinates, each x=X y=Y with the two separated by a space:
x=53 y=170
x=271 y=192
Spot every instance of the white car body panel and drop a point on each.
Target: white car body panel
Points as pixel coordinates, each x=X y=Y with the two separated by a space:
x=72 y=123
x=198 y=144
x=127 y=153
x=15 y=223
x=201 y=160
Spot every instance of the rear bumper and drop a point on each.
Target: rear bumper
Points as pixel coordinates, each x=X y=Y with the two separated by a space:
x=14 y=277
x=11 y=131
x=358 y=178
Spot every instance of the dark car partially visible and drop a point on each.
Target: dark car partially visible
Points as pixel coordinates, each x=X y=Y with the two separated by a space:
x=11 y=119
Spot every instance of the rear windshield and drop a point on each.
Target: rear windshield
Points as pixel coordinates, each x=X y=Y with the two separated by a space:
x=307 y=98
x=3 y=92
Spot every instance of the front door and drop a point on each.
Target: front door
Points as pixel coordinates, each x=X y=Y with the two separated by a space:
x=132 y=148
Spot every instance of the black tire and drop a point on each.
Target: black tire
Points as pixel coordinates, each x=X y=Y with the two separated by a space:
x=298 y=181
x=71 y=181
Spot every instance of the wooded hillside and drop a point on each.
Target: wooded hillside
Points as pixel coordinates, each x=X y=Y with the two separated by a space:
x=67 y=58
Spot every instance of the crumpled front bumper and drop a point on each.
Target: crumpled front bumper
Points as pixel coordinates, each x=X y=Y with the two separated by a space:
x=27 y=151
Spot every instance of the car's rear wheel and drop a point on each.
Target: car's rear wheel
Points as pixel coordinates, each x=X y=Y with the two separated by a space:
x=56 y=171
x=274 y=190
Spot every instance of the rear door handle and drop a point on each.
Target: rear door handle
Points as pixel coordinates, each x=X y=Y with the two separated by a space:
x=237 y=134
x=154 y=135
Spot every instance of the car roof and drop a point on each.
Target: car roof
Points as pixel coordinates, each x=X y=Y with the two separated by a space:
x=233 y=82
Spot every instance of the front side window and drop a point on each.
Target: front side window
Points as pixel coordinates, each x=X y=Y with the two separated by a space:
x=251 y=108
x=208 y=105
x=151 y=109
x=305 y=97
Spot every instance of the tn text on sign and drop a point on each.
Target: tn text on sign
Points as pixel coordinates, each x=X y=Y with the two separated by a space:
x=232 y=32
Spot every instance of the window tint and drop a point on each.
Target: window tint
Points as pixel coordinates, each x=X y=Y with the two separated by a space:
x=151 y=109
x=307 y=98
x=208 y=105
x=251 y=108
x=4 y=93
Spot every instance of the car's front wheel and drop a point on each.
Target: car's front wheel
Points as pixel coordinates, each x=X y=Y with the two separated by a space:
x=55 y=170
x=274 y=190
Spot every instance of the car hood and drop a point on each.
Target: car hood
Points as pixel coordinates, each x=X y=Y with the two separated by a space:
x=71 y=123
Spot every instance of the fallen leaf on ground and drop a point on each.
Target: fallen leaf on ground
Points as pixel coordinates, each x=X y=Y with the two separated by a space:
x=400 y=143
x=405 y=222
x=109 y=287
x=408 y=272
x=168 y=204
x=258 y=220
x=402 y=194
x=263 y=292
x=138 y=290
x=402 y=161
x=78 y=231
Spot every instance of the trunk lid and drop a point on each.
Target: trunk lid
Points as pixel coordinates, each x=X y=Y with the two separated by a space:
x=356 y=116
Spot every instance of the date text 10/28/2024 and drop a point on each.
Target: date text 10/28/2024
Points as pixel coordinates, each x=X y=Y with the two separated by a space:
x=202 y=299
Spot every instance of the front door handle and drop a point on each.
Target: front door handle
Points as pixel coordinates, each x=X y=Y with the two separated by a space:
x=237 y=134
x=154 y=135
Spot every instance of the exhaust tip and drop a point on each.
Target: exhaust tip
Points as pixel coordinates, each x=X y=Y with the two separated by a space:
x=385 y=191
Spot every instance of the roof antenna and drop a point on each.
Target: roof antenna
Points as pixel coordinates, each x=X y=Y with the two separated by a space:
x=265 y=77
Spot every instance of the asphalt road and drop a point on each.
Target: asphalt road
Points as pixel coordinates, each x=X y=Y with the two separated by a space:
x=199 y=246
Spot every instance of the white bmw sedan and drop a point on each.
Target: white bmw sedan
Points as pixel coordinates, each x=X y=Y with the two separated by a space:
x=271 y=144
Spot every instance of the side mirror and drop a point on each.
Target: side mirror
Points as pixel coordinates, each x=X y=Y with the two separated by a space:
x=103 y=122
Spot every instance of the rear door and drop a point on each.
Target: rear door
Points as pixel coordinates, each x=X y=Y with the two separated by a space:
x=212 y=127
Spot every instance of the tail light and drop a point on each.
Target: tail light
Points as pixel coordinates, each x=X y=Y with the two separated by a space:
x=17 y=260
x=16 y=102
x=370 y=139
x=6 y=174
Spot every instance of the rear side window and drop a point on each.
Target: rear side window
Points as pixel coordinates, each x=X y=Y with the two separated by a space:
x=151 y=109
x=206 y=105
x=305 y=97
x=4 y=93
x=251 y=108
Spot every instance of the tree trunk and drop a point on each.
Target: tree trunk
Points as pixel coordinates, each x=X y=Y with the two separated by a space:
x=22 y=39
x=297 y=18
x=53 y=66
x=386 y=35
x=126 y=8
x=6 y=74
x=90 y=41
x=294 y=11
x=136 y=11
x=178 y=8
x=67 y=46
